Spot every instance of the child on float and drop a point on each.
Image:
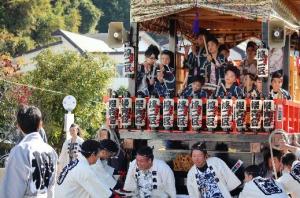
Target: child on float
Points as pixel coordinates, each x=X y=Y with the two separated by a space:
x=249 y=87
x=195 y=89
x=161 y=86
x=214 y=65
x=230 y=88
x=277 y=92
x=168 y=69
x=146 y=72
x=194 y=61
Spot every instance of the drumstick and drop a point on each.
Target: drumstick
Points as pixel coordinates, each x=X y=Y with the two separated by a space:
x=205 y=45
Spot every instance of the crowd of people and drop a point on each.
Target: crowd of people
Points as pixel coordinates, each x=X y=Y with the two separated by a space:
x=85 y=169
x=209 y=73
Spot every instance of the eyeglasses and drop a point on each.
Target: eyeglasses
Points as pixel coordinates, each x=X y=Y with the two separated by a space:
x=152 y=58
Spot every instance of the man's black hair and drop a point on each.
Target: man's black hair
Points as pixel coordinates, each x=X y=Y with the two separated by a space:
x=252 y=76
x=213 y=39
x=199 y=147
x=29 y=118
x=90 y=147
x=251 y=44
x=146 y=151
x=221 y=147
x=276 y=75
x=109 y=145
x=234 y=69
x=203 y=32
x=198 y=79
x=152 y=49
x=276 y=154
x=252 y=170
x=223 y=47
x=288 y=159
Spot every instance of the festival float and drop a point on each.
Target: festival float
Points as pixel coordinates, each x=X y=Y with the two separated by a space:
x=244 y=124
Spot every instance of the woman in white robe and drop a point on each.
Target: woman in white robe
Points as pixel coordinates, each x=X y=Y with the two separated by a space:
x=70 y=148
x=150 y=178
x=256 y=186
x=209 y=177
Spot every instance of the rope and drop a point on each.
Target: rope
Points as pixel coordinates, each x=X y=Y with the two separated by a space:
x=33 y=87
x=283 y=133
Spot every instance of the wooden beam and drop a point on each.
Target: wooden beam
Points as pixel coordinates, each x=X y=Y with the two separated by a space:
x=125 y=134
x=294 y=7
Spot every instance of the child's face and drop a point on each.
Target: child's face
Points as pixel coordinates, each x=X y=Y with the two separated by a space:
x=276 y=84
x=248 y=82
x=247 y=177
x=165 y=59
x=212 y=47
x=200 y=40
x=259 y=85
x=225 y=53
x=151 y=59
x=196 y=86
x=251 y=52
x=230 y=77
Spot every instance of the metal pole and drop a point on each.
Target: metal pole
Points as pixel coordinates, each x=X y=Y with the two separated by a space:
x=265 y=39
x=134 y=31
x=173 y=42
x=286 y=63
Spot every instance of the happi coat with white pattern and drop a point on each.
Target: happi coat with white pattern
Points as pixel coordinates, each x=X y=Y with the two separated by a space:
x=31 y=169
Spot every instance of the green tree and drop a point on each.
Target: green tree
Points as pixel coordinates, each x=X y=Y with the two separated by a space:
x=84 y=77
x=113 y=10
x=30 y=23
x=90 y=16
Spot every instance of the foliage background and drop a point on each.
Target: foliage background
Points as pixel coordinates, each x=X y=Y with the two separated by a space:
x=85 y=77
x=26 y=24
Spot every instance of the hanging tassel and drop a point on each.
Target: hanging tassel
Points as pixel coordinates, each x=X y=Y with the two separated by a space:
x=196 y=24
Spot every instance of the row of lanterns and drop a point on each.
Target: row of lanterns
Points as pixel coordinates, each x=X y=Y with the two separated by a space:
x=232 y=113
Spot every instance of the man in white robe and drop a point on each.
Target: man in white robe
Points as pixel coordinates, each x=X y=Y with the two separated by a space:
x=108 y=149
x=31 y=166
x=209 y=177
x=290 y=179
x=256 y=186
x=150 y=178
x=78 y=180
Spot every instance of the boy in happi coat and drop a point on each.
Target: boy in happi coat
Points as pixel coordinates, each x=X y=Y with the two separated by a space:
x=194 y=90
x=215 y=64
x=194 y=61
x=277 y=92
x=146 y=72
x=230 y=88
